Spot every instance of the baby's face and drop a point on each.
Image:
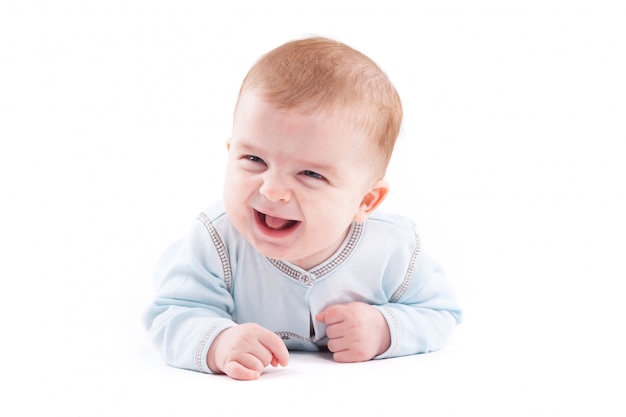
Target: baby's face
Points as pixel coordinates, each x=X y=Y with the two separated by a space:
x=294 y=181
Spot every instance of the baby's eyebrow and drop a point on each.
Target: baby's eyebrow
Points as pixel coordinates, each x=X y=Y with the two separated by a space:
x=312 y=166
x=300 y=160
x=245 y=147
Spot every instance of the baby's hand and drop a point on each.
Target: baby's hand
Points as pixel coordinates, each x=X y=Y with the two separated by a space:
x=243 y=351
x=356 y=331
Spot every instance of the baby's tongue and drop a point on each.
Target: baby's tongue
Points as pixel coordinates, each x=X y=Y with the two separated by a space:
x=276 y=222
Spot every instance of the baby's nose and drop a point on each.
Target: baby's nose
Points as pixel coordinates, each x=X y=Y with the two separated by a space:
x=275 y=189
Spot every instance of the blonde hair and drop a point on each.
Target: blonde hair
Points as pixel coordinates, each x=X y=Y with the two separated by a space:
x=317 y=74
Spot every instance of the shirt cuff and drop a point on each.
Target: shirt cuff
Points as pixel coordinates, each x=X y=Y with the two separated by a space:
x=205 y=343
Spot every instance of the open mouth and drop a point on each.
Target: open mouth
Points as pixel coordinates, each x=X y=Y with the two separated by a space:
x=276 y=223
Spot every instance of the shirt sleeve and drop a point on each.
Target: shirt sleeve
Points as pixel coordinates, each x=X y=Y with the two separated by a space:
x=193 y=303
x=423 y=311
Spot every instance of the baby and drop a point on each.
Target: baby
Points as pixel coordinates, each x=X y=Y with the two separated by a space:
x=296 y=257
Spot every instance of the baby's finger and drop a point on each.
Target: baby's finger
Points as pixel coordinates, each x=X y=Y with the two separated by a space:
x=346 y=356
x=321 y=316
x=274 y=361
x=236 y=370
x=331 y=314
x=336 y=345
x=276 y=346
x=336 y=330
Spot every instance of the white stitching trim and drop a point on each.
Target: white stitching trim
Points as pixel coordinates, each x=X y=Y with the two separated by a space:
x=355 y=234
x=199 y=356
x=409 y=272
x=220 y=247
x=396 y=329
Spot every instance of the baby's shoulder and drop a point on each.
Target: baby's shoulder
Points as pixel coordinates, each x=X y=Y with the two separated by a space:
x=214 y=223
x=214 y=212
x=391 y=232
x=391 y=223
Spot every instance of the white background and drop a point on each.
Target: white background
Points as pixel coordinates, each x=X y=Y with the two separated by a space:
x=113 y=119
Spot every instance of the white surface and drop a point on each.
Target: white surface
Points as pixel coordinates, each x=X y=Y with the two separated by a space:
x=113 y=117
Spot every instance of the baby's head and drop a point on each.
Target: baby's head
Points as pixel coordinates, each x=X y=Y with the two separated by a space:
x=319 y=75
x=314 y=129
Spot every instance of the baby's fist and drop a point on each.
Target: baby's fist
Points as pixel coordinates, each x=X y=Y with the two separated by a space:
x=356 y=331
x=243 y=351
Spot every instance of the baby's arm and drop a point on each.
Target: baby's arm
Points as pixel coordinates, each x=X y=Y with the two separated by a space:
x=190 y=321
x=418 y=318
x=422 y=312
x=243 y=351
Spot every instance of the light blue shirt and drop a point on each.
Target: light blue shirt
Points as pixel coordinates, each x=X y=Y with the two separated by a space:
x=214 y=279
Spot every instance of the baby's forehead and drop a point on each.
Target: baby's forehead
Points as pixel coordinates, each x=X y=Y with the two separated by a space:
x=349 y=118
x=349 y=115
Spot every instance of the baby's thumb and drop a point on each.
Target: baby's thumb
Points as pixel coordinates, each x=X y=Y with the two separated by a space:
x=321 y=316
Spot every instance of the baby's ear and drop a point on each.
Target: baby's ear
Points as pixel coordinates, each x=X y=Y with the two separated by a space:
x=372 y=200
x=228 y=143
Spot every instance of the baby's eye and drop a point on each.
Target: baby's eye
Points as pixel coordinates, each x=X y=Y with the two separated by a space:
x=313 y=174
x=253 y=158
